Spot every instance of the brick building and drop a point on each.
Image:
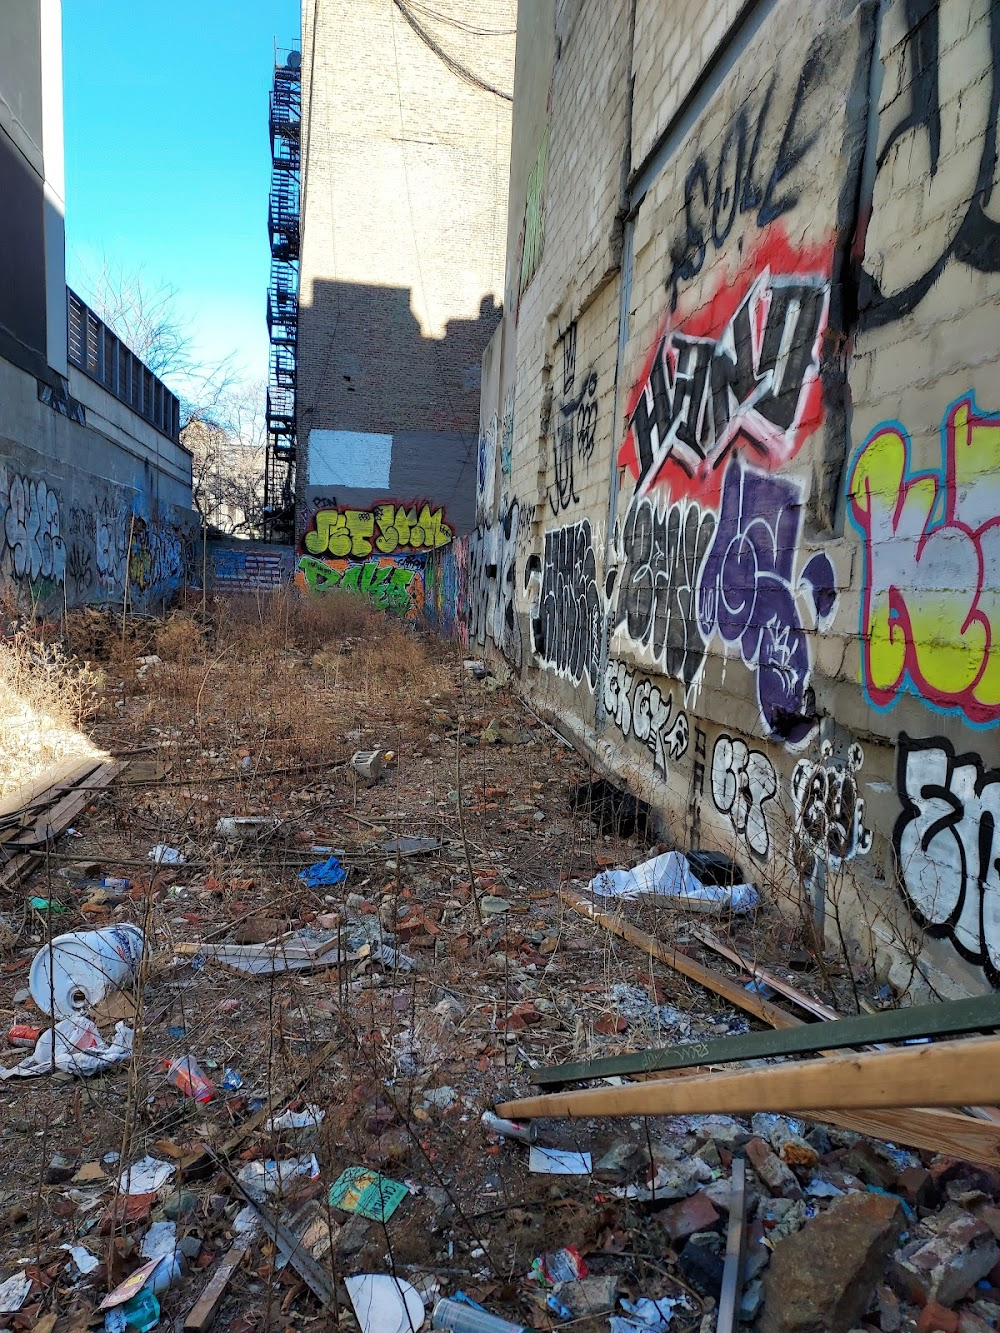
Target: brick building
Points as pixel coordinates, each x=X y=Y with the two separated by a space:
x=405 y=158
x=739 y=523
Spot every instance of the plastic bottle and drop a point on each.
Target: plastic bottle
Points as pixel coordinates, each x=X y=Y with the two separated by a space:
x=76 y=971
x=186 y=1075
x=462 y=1318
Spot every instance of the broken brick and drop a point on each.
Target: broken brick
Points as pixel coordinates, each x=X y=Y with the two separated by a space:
x=935 y=1318
x=683 y=1219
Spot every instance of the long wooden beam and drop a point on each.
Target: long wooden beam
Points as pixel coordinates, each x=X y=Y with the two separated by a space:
x=925 y=1020
x=952 y=1073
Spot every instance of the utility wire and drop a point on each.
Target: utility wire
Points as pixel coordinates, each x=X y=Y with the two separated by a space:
x=457 y=68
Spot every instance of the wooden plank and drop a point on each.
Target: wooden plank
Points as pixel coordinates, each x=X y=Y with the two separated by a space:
x=205 y=1308
x=926 y=1020
x=952 y=1073
x=58 y=817
x=777 y=983
x=732 y=1272
x=680 y=962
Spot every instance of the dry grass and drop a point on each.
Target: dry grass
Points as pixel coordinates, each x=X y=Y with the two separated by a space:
x=46 y=696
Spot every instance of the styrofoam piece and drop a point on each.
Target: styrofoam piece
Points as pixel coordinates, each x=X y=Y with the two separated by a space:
x=75 y=972
x=385 y=1304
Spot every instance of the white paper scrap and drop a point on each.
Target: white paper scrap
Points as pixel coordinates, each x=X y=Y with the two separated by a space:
x=556 y=1162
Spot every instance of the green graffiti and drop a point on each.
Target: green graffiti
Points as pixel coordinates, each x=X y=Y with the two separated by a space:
x=387 y=587
x=533 y=227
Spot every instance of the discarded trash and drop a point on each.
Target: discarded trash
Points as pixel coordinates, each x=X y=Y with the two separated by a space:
x=131 y=1287
x=186 y=1075
x=411 y=846
x=79 y=1049
x=232 y=1081
x=557 y=1162
x=271 y=1177
x=237 y=828
x=384 y=1304
x=646 y=1316
x=162 y=855
x=367 y=1193
x=368 y=764
x=160 y=1242
x=509 y=1129
x=670 y=875
x=297 y=954
x=145 y=1176
x=324 y=873
x=142 y=1313
x=82 y=1257
x=77 y=971
x=475 y=668
x=22 y=1034
x=47 y=905
x=565 y=1265
x=304 y=1119
x=14 y=1292
x=464 y=1317
x=114 y=882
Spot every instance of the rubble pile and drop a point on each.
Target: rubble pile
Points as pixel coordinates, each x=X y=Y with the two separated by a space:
x=345 y=966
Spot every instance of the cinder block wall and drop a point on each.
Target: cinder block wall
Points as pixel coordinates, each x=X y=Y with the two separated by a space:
x=738 y=527
x=406 y=151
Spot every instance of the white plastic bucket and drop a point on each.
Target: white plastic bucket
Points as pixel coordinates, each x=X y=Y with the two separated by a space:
x=86 y=966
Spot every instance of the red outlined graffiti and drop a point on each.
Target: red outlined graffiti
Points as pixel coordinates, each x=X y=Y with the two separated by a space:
x=742 y=372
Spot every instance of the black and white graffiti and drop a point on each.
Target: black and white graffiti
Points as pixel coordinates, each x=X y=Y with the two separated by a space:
x=656 y=591
x=489 y=585
x=947 y=841
x=638 y=709
x=575 y=427
x=568 y=621
x=743 y=782
x=829 y=810
x=31 y=540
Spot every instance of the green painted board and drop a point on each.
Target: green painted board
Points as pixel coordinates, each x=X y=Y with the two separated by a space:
x=980 y=1014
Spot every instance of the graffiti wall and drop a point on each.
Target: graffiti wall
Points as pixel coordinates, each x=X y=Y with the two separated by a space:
x=741 y=534
x=378 y=553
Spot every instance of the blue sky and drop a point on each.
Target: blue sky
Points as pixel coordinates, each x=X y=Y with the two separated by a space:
x=167 y=154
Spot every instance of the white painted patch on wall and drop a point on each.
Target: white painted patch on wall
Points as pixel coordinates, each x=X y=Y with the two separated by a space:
x=351 y=458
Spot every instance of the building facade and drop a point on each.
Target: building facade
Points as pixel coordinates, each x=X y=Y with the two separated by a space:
x=405 y=159
x=738 y=522
x=95 y=488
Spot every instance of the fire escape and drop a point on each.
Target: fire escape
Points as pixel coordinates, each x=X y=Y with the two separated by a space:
x=283 y=296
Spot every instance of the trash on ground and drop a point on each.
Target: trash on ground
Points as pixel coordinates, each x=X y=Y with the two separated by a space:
x=14 y=1292
x=146 y=1176
x=368 y=764
x=186 y=1075
x=525 y=1132
x=78 y=1049
x=670 y=875
x=385 y=1304
x=82 y=1257
x=309 y=1115
x=367 y=1193
x=411 y=846
x=142 y=1313
x=77 y=971
x=296 y=954
x=467 y=1317
x=160 y=1243
x=324 y=873
x=131 y=1286
x=23 y=1034
x=645 y=1315
x=237 y=828
x=559 y=1162
x=565 y=1265
x=260 y=1179
x=47 y=905
x=162 y=855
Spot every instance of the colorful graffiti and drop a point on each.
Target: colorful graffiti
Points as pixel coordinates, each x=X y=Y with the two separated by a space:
x=829 y=811
x=531 y=241
x=930 y=605
x=749 y=595
x=31 y=542
x=160 y=557
x=743 y=782
x=382 y=530
x=947 y=842
x=741 y=374
x=390 y=584
x=638 y=709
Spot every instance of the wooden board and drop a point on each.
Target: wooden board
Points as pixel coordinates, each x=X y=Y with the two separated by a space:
x=680 y=962
x=926 y=1020
x=205 y=1308
x=952 y=1073
x=732 y=1272
x=777 y=983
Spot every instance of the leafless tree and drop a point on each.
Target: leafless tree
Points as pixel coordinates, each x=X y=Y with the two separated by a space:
x=228 y=450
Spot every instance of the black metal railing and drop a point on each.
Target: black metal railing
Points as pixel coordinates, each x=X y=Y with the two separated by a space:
x=101 y=354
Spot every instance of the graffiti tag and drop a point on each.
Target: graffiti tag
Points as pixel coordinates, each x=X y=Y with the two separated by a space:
x=381 y=530
x=743 y=782
x=639 y=710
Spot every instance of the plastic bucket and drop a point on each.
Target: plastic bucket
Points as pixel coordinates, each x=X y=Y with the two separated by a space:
x=85 y=967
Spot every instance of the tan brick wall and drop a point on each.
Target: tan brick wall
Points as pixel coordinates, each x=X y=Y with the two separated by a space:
x=755 y=560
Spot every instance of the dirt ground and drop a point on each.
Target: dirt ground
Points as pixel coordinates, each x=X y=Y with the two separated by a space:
x=256 y=710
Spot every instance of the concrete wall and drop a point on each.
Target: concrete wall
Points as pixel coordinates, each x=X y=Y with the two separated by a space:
x=89 y=512
x=404 y=207
x=746 y=540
